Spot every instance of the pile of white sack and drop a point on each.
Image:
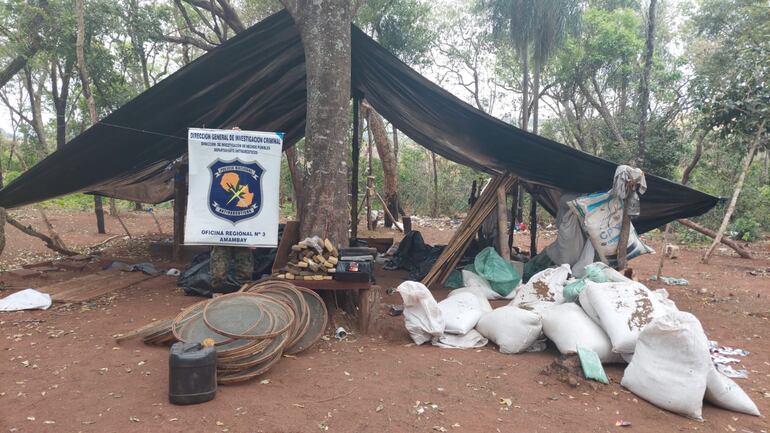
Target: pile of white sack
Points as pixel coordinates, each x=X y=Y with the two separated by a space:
x=667 y=351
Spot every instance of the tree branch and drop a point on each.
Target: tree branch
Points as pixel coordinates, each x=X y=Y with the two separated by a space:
x=50 y=243
x=188 y=40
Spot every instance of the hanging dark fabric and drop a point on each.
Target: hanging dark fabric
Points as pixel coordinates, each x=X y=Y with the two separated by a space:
x=256 y=81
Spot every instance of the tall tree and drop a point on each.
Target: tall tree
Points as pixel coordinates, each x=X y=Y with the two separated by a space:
x=552 y=20
x=402 y=27
x=324 y=27
x=86 y=83
x=732 y=77
x=389 y=162
x=516 y=20
x=644 y=84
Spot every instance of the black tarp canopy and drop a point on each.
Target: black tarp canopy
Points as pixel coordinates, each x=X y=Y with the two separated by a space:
x=256 y=80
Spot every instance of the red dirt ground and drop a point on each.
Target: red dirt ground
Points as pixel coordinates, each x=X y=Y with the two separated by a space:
x=61 y=370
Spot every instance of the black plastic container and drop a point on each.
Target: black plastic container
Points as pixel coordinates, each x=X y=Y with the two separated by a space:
x=353 y=271
x=192 y=373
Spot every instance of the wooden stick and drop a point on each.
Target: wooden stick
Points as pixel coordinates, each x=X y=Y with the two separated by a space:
x=50 y=243
x=103 y=242
x=116 y=214
x=157 y=223
x=51 y=232
x=712 y=234
x=385 y=206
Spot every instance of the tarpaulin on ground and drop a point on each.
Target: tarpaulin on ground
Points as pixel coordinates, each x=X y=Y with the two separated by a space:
x=256 y=81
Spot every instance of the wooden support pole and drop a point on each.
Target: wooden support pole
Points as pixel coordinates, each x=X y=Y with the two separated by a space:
x=502 y=224
x=532 y=225
x=356 y=153
x=625 y=230
x=180 y=208
x=407 y=221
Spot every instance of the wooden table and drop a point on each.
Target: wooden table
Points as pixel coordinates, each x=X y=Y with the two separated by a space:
x=368 y=297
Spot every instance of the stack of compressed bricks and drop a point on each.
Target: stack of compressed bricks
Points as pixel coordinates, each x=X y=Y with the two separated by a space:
x=307 y=263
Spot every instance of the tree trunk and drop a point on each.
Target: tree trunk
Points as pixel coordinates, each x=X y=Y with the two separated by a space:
x=50 y=243
x=60 y=98
x=644 y=86
x=296 y=180
x=86 y=82
x=532 y=225
x=395 y=143
x=736 y=193
x=389 y=166
x=2 y=230
x=35 y=96
x=601 y=107
x=524 y=88
x=712 y=234
x=524 y=58
x=324 y=27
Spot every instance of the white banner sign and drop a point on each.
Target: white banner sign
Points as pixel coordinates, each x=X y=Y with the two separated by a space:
x=233 y=188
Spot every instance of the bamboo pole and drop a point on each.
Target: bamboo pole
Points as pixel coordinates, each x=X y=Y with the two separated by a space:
x=454 y=250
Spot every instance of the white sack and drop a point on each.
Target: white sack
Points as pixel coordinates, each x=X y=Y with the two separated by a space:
x=622 y=310
x=546 y=285
x=473 y=339
x=724 y=392
x=461 y=312
x=27 y=299
x=475 y=291
x=422 y=315
x=671 y=364
x=668 y=304
x=511 y=328
x=536 y=307
x=471 y=279
x=568 y=326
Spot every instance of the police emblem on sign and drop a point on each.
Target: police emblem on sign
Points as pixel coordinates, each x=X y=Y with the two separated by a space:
x=235 y=193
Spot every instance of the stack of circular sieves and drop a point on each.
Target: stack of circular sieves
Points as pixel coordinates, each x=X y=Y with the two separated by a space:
x=253 y=328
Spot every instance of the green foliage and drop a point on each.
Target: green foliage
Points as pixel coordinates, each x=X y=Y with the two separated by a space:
x=402 y=26
x=745 y=229
x=733 y=70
